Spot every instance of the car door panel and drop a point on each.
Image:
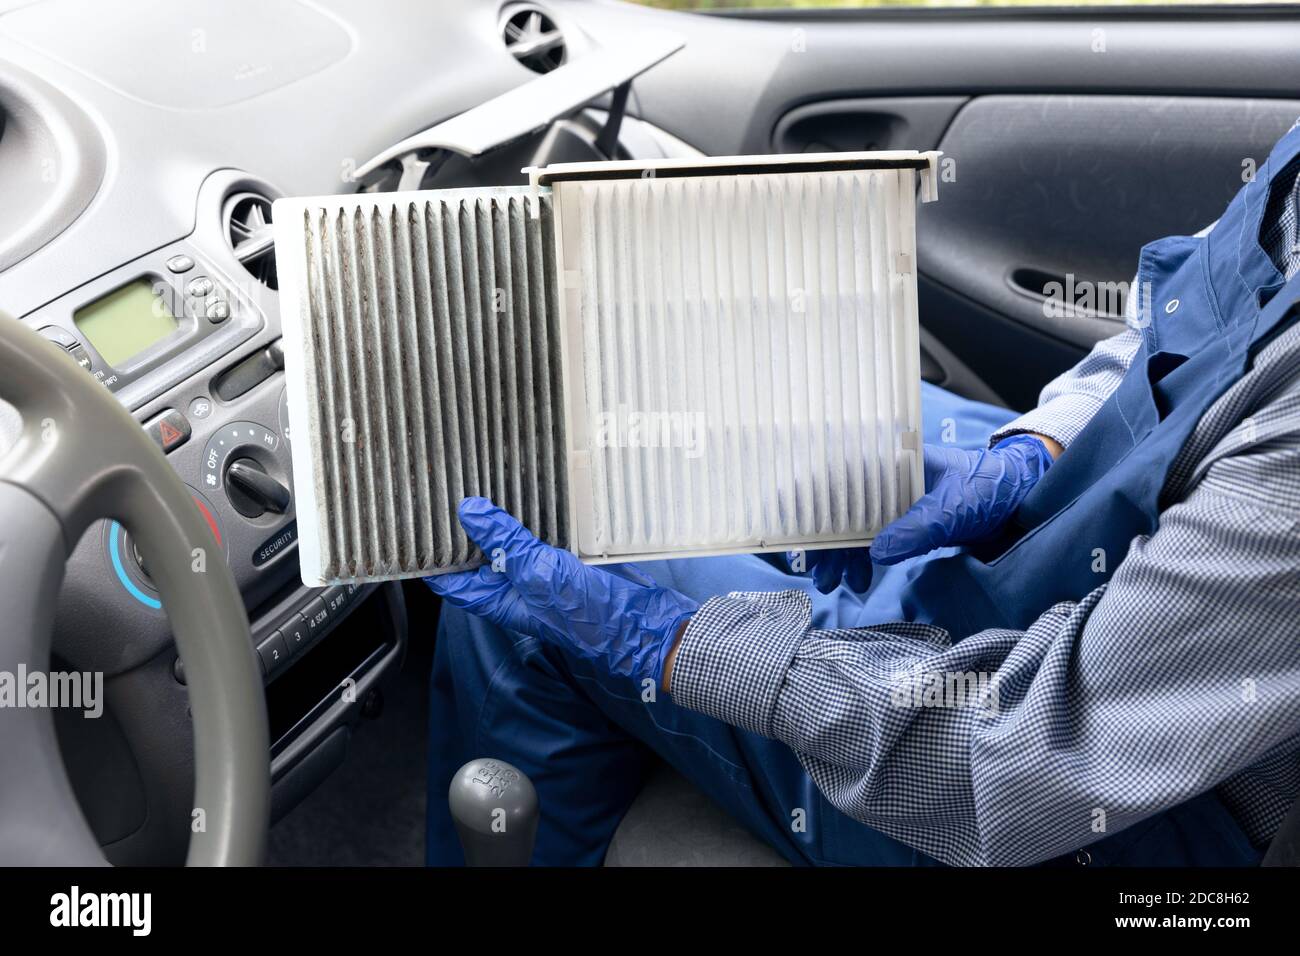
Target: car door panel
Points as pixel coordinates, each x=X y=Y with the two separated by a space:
x=1063 y=191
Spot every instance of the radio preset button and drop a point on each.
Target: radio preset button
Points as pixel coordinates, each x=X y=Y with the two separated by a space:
x=180 y=264
x=336 y=599
x=274 y=652
x=317 y=616
x=200 y=287
x=82 y=358
x=217 y=311
x=60 y=337
x=295 y=633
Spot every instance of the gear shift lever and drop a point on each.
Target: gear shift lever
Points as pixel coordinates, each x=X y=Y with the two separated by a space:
x=495 y=810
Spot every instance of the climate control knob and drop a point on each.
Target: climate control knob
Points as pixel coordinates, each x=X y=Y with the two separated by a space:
x=250 y=463
x=253 y=492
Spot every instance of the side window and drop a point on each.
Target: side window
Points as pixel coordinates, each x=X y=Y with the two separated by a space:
x=705 y=6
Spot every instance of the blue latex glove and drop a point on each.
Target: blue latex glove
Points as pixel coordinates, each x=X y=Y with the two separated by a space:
x=829 y=565
x=971 y=494
x=624 y=622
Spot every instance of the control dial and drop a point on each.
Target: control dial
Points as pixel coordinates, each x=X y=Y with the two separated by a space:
x=248 y=461
x=252 y=491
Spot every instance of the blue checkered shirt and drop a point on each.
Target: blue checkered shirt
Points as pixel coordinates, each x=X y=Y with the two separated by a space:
x=1178 y=676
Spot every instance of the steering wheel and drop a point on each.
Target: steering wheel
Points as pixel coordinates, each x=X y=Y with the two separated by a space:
x=80 y=457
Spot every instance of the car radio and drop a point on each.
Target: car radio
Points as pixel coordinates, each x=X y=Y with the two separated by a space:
x=149 y=323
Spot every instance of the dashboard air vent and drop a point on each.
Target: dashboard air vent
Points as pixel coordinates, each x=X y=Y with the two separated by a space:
x=247 y=223
x=532 y=37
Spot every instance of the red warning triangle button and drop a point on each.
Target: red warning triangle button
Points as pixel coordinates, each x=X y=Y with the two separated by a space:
x=169 y=434
x=170 y=430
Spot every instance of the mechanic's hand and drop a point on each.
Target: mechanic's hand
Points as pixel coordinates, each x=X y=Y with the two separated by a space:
x=971 y=494
x=628 y=626
x=829 y=565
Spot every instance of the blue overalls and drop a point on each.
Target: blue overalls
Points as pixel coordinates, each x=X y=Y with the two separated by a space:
x=584 y=737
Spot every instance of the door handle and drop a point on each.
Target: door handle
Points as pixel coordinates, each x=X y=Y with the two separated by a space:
x=1070 y=295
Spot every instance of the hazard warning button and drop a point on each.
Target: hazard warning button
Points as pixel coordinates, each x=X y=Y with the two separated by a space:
x=170 y=430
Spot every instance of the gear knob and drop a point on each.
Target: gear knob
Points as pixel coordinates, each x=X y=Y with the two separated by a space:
x=495 y=809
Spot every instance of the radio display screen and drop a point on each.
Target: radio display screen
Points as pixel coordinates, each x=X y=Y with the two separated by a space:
x=126 y=321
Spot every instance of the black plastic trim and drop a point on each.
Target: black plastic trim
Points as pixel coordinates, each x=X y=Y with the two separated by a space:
x=736 y=169
x=1181 y=11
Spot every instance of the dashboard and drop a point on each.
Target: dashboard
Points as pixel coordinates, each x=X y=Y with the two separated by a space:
x=144 y=143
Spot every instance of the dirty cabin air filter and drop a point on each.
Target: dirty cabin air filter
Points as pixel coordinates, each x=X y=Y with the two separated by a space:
x=637 y=360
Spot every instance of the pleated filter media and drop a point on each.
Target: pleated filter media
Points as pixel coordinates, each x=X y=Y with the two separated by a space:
x=422 y=358
x=690 y=358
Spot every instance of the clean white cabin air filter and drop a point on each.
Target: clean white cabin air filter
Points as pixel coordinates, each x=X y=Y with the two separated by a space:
x=637 y=359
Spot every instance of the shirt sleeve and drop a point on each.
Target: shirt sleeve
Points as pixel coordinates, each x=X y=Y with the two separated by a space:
x=1011 y=747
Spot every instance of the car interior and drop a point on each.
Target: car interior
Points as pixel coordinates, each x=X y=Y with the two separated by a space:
x=142 y=145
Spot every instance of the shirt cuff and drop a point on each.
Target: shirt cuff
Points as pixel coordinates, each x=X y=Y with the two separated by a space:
x=1061 y=419
x=735 y=655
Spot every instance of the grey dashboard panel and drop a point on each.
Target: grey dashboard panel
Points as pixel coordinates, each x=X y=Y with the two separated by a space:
x=195 y=60
x=406 y=66
x=51 y=163
x=1067 y=189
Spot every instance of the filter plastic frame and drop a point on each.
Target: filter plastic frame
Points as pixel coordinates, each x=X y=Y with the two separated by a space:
x=579 y=426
